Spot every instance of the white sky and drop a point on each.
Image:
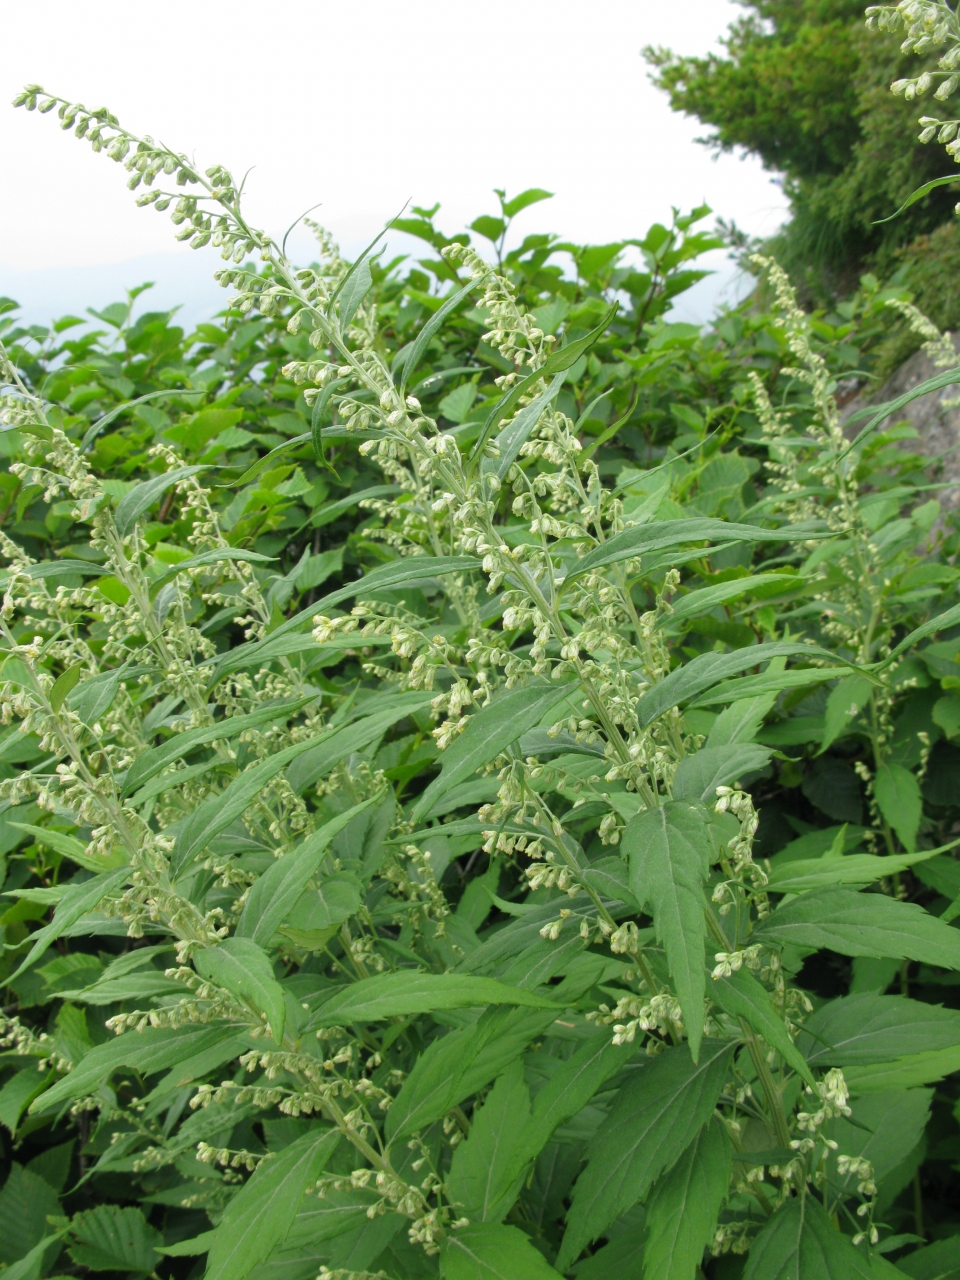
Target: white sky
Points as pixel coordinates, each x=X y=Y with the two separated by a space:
x=358 y=105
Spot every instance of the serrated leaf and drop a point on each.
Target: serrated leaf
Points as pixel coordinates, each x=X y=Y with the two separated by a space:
x=78 y=901
x=883 y=1128
x=897 y=793
x=683 y=1206
x=654 y=1118
x=491 y=730
x=142 y=497
x=274 y=894
x=487 y=1169
x=862 y=924
x=707 y=670
x=222 y=810
x=804 y=874
x=259 y=1216
x=240 y=966
x=389 y=995
x=801 y=1243
x=904 y=1073
x=742 y=996
x=698 y=776
x=111 y=1238
x=25 y=1201
x=668 y=850
x=741 y=721
x=485 y=1251
x=153 y=1049
x=843 y=705
x=870 y=1028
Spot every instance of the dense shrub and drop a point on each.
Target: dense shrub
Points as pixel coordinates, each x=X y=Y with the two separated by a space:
x=480 y=765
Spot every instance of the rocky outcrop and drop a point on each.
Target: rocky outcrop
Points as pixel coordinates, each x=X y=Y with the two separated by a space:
x=934 y=416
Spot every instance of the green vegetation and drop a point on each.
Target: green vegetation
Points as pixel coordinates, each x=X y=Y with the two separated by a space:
x=478 y=773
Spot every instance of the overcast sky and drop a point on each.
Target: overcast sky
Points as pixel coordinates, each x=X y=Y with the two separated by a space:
x=359 y=106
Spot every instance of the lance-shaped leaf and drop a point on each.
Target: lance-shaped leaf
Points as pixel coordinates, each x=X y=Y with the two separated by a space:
x=898 y=796
x=151 y=762
x=242 y=968
x=487 y=733
x=272 y=897
x=843 y=704
x=217 y=813
x=487 y=1169
x=862 y=924
x=337 y=744
x=742 y=996
x=668 y=850
x=516 y=433
x=259 y=1216
x=801 y=1243
x=388 y=995
x=869 y=1028
x=683 y=1206
x=72 y=848
x=142 y=497
x=218 y=555
x=855 y=868
x=147 y=1051
x=486 y=1251
x=406 y=572
x=699 y=775
x=694 y=678
x=660 y=534
x=78 y=901
x=701 y=601
x=654 y=1118
x=431 y=328
x=354 y=290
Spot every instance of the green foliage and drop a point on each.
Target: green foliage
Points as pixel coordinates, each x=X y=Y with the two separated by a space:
x=476 y=757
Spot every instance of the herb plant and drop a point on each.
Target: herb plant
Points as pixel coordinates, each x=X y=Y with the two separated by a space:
x=435 y=924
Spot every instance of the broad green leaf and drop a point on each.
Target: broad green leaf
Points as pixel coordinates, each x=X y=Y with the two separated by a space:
x=388 y=995
x=488 y=732
x=698 y=776
x=70 y=847
x=897 y=792
x=78 y=901
x=151 y=762
x=843 y=705
x=660 y=534
x=703 y=672
x=610 y=877
x=939 y=1261
x=533 y=195
x=111 y=1238
x=668 y=850
x=32 y=1263
x=862 y=924
x=355 y=289
x=485 y=1251
x=855 y=868
x=321 y=1219
x=63 y=684
x=319 y=913
x=654 y=1118
x=904 y=1073
x=243 y=968
x=153 y=1049
x=883 y=1128
x=142 y=497
x=704 y=599
x=870 y=1028
x=683 y=1206
x=25 y=1201
x=258 y=1218
x=741 y=721
x=801 y=1243
x=488 y=1168
x=273 y=895
x=19 y=1091
x=221 y=810
x=742 y=996
x=383 y=714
